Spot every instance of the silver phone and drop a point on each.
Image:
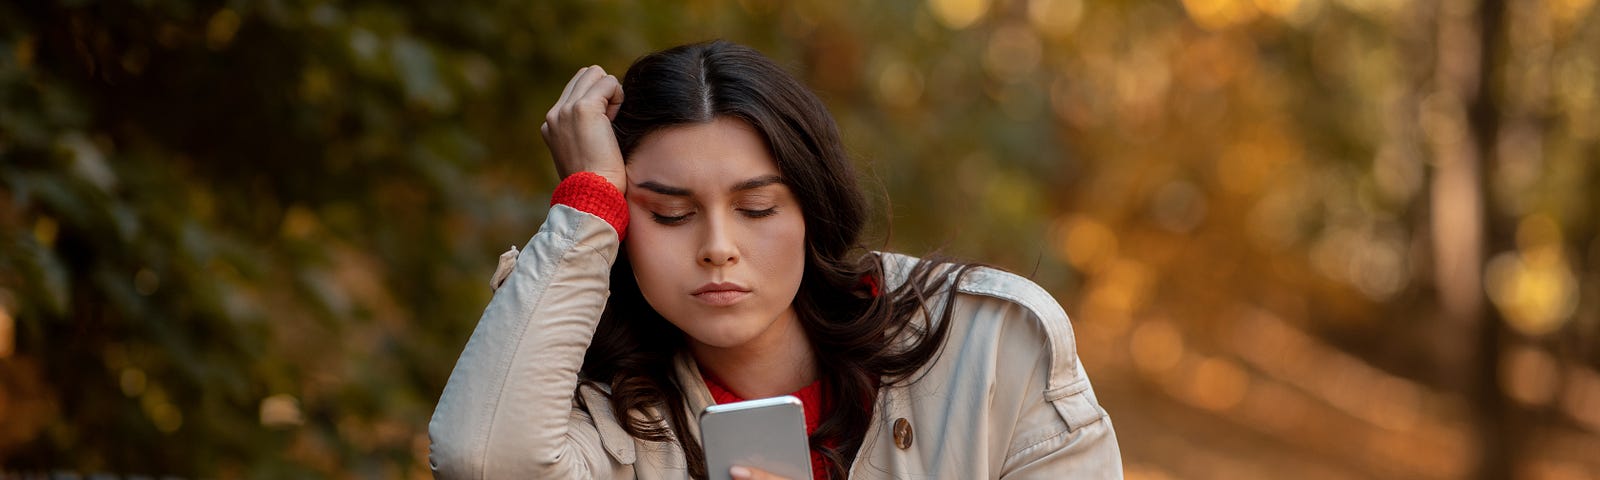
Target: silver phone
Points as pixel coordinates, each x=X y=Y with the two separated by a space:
x=769 y=434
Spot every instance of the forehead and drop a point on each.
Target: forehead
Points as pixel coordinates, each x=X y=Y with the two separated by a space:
x=724 y=149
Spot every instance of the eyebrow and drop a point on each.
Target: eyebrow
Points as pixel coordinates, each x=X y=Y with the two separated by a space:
x=750 y=184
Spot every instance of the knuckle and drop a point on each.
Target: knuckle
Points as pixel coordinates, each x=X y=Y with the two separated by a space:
x=586 y=108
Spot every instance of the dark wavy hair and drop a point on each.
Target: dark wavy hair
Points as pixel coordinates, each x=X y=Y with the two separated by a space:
x=863 y=341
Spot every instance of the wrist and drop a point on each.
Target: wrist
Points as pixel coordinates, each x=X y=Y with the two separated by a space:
x=597 y=195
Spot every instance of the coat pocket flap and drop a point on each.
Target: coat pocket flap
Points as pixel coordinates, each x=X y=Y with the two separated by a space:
x=616 y=441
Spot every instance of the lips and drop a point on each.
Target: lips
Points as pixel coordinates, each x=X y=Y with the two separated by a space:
x=721 y=293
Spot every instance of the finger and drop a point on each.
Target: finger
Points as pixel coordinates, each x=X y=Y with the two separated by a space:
x=583 y=82
x=587 y=81
x=565 y=92
x=605 y=92
x=554 y=115
x=613 y=93
x=544 y=130
x=747 y=473
x=580 y=89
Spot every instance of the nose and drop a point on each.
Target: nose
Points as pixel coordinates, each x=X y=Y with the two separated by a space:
x=718 y=248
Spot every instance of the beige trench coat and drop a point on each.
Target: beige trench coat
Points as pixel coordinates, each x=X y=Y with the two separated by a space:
x=1007 y=397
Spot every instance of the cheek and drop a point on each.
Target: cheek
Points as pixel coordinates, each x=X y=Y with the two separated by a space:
x=649 y=255
x=788 y=250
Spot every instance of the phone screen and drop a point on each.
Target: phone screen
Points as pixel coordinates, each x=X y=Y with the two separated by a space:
x=769 y=434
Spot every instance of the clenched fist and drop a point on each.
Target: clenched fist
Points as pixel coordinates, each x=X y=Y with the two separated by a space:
x=578 y=127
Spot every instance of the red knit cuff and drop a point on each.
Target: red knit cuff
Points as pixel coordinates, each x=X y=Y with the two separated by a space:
x=592 y=193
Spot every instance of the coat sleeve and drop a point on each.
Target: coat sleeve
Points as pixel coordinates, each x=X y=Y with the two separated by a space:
x=1061 y=430
x=1082 y=447
x=507 y=410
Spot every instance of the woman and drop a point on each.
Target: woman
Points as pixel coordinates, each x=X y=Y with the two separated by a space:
x=701 y=248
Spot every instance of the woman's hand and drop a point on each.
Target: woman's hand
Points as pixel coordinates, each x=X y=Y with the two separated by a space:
x=578 y=127
x=747 y=473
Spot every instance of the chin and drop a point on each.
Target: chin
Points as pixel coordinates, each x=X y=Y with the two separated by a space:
x=726 y=334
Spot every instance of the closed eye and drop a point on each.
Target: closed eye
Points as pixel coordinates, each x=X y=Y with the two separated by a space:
x=759 y=213
x=670 y=220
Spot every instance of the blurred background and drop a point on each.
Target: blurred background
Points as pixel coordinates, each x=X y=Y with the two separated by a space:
x=1298 y=238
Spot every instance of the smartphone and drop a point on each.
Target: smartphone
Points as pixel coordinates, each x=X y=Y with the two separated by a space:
x=769 y=434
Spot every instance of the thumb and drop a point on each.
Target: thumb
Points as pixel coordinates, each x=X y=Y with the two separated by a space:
x=747 y=473
x=614 y=96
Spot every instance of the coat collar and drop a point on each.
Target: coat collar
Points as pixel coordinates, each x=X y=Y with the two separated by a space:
x=696 y=396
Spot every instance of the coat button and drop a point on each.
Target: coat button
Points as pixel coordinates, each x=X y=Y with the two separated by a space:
x=902 y=433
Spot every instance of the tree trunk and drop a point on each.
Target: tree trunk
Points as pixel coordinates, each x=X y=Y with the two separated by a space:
x=1462 y=123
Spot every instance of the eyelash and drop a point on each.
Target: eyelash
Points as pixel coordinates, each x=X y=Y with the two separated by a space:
x=666 y=220
x=678 y=220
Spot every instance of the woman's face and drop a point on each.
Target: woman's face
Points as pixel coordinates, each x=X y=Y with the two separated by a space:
x=716 y=239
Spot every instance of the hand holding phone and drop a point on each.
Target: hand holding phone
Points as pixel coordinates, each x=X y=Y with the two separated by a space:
x=767 y=434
